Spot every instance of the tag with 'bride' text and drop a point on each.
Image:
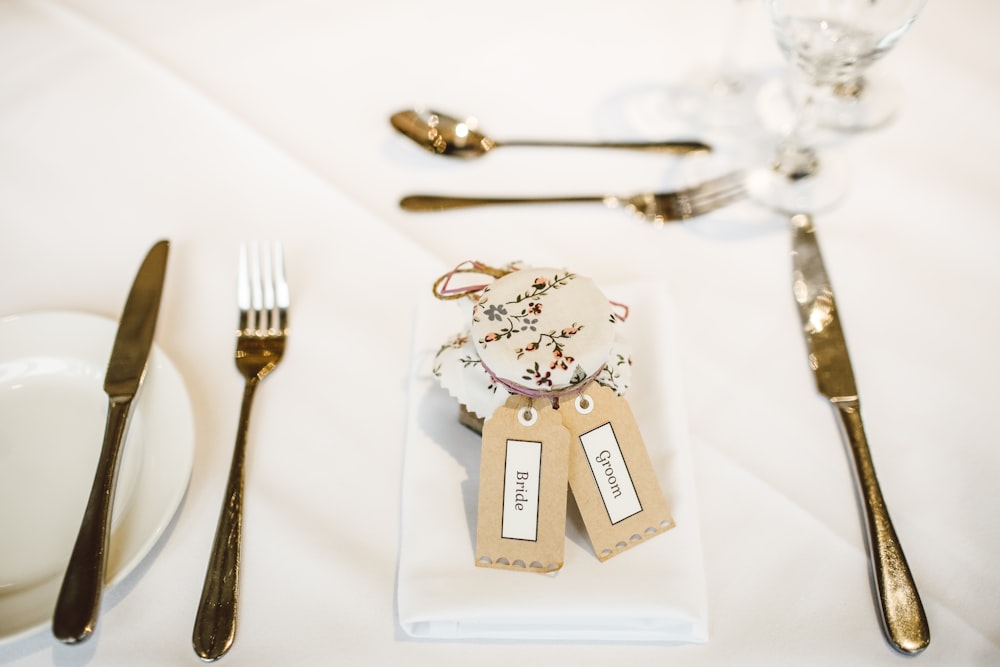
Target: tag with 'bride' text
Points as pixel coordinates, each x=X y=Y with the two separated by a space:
x=523 y=487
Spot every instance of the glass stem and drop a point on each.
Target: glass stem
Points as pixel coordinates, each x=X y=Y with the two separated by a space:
x=796 y=157
x=850 y=89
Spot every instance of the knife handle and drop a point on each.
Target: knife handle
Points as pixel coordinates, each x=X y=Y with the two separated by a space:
x=79 y=600
x=903 y=617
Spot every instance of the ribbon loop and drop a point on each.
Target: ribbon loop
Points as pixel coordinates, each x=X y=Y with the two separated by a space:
x=441 y=287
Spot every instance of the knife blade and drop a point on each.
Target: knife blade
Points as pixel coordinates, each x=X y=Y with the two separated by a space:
x=79 y=601
x=903 y=619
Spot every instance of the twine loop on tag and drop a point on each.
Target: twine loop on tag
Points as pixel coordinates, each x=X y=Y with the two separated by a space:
x=444 y=292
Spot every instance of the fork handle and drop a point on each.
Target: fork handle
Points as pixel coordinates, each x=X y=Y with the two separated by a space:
x=903 y=617
x=215 y=622
x=423 y=203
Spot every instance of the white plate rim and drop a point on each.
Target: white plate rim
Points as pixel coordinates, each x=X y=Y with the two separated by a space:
x=164 y=475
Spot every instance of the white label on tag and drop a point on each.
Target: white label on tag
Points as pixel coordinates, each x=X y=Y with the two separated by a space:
x=610 y=472
x=520 y=490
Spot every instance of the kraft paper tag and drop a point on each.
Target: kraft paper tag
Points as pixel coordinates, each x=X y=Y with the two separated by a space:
x=523 y=487
x=611 y=475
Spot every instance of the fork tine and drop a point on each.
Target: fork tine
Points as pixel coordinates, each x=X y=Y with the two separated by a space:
x=262 y=291
x=268 y=318
x=713 y=194
x=719 y=183
x=687 y=202
x=714 y=187
x=726 y=189
x=281 y=296
x=256 y=291
x=243 y=289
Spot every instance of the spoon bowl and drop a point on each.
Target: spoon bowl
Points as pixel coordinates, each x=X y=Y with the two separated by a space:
x=446 y=135
x=441 y=133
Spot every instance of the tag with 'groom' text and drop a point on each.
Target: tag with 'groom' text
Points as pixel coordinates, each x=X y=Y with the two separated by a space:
x=523 y=487
x=611 y=476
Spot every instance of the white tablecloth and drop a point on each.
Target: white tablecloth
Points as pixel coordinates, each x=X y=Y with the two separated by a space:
x=212 y=122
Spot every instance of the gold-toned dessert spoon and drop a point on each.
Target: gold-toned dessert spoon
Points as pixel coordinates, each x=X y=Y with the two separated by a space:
x=440 y=133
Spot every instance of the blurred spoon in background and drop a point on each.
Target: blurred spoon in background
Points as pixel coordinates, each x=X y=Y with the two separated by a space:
x=444 y=134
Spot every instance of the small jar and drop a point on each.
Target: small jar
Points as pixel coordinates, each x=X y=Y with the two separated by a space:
x=534 y=332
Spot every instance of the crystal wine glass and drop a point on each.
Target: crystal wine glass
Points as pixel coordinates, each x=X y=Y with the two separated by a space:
x=830 y=43
x=860 y=101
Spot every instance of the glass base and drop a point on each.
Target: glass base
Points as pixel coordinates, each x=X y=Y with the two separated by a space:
x=811 y=184
x=870 y=104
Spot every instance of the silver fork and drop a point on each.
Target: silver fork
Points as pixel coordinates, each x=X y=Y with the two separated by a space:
x=656 y=207
x=262 y=297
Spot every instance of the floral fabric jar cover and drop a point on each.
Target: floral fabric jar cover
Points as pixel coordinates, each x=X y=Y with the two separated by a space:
x=535 y=332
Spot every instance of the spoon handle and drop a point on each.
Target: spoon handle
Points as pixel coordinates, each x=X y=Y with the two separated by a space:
x=441 y=203
x=676 y=147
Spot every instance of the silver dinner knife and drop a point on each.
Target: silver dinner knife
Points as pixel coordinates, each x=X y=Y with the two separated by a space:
x=903 y=618
x=79 y=599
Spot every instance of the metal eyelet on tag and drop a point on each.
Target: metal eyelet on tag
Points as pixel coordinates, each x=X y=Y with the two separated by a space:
x=584 y=404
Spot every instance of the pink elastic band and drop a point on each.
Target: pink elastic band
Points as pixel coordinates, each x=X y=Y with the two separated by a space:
x=553 y=396
x=624 y=307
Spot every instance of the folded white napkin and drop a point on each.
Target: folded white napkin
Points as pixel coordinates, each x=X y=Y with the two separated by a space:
x=654 y=592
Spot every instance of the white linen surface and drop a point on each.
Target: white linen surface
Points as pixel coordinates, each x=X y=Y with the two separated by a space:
x=210 y=122
x=653 y=592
